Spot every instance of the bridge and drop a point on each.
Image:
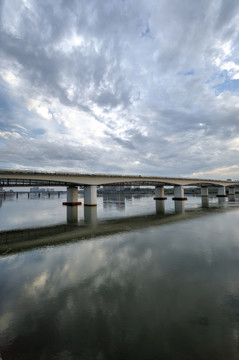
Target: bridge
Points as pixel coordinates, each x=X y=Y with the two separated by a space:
x=90 y=182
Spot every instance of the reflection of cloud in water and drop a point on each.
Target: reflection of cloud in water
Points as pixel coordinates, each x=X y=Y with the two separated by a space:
x=149 y=292
x=5 y=321
x=37 y=286
x=24 y=212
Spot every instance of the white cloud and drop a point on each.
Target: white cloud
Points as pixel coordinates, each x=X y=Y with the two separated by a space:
x=10 y=77
x=39 y=107
x=220 y=172
x=8 y=135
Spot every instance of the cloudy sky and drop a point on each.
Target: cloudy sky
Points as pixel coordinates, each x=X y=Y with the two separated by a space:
x=120 y=86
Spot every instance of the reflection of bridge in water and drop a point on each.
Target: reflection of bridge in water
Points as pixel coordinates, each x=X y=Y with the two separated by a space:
x=90 y=182
x=13 y=241
x=114 y=200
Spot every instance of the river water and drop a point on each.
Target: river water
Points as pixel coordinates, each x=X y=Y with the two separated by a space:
x=153 y=283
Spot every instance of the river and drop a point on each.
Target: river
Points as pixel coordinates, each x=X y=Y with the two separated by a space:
x=140 y=281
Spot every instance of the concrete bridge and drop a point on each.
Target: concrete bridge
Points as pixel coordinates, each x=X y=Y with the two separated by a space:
x=90 y=182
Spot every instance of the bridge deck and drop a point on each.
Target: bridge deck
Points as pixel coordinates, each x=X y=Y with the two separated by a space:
x=12 y=178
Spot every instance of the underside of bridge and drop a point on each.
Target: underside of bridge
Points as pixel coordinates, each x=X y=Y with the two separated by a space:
x=90 y=182
x=31 y=182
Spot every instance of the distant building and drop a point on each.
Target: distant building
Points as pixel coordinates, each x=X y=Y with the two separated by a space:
x=35 y=189
x=40 y=189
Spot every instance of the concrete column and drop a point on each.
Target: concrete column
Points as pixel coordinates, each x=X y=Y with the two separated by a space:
x=179 y=206
x=221 y=200
x=205 y=201
x=160 y=206
x=90 y=195
x=221 y=191
x=90 y=215
x=204 y=191
x=72 y=194
x=231 y=191
x=159 y=193
x=72 y=214
x=179 y=193
x=232 y=194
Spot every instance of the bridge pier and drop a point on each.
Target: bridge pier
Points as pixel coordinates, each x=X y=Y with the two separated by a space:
x=204 y=191
x=205 y=201
x=231 y=191
x=232 y=194
x=72 y=214
x=221 y=191
x=160 y=206
x=90 y=215
x=72 y=196
x=159 y=193
x=90 y=195
x=179 y=206
x=179 y=193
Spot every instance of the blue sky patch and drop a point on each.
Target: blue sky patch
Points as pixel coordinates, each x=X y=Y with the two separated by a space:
x=228 y=85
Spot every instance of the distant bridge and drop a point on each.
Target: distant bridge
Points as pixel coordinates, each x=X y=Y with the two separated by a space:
x=12 y=178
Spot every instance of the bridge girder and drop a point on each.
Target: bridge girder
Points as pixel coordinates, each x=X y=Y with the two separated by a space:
x=12 y=178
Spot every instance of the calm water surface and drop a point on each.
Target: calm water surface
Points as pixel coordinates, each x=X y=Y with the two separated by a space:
x=167 y=291
x=22 y=212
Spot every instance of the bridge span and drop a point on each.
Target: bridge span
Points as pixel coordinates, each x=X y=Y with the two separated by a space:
x=90 y=182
